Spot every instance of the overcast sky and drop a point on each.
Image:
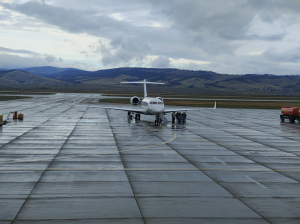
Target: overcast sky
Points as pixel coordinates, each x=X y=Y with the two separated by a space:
x=225 y=36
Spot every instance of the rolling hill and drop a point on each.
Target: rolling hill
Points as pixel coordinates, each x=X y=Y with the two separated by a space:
x=13 y=77
x=181 y=81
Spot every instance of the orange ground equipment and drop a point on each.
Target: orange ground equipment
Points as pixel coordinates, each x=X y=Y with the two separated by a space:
x=291 y=113
x=20 y=116
x=16 y=115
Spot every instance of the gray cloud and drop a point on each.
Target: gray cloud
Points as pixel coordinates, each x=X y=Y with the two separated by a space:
x=15 y=61
x=191 y=29
x=75 y=21
x=161 y=62
x=291 y=56
x=8 y=50
x=122 y=51
x=9 y=61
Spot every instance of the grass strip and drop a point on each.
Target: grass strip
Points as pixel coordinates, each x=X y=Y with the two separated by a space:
x=4 y=98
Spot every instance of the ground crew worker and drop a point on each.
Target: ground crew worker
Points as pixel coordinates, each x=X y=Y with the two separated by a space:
x=178 y=117
x=184 y=117
x=181 y=118
x=173 y=117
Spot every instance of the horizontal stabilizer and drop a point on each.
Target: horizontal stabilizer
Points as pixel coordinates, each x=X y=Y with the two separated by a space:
x=145 y=82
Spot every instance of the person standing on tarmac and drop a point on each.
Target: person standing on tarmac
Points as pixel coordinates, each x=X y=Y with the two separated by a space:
x=173 y=117
x=184 y=117
x=181 y=119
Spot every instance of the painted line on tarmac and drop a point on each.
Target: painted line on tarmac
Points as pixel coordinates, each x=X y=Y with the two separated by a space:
x=149 y=168
x=259 y=184
x=238 y=146
x=220 y=160
x=145 y=147
x=80 y=156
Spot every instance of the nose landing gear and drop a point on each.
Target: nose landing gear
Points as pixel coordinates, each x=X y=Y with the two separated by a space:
x=158 y=120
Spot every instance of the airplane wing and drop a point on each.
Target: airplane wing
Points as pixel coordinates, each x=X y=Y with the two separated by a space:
x=181 y=109
x=189 y=109
x=135 y=110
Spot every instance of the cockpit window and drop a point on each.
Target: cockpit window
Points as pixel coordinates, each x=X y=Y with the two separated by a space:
x=153 y=102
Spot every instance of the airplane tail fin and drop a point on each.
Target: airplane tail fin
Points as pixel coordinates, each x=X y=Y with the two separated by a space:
x=145 y=82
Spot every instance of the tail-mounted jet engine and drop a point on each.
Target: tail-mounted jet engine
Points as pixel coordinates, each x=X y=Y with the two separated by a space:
x=134 y=100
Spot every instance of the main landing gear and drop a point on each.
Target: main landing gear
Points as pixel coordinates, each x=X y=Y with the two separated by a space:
x=137 y=116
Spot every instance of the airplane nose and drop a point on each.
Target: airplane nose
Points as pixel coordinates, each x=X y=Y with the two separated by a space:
x=156 y=109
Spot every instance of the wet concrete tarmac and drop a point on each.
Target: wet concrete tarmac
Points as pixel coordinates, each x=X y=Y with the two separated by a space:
x=69 y=164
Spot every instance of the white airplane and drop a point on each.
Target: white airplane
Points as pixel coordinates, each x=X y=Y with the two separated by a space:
x=149 y=105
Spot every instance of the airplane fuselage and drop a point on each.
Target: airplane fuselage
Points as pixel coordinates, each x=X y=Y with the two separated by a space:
x=152 y=106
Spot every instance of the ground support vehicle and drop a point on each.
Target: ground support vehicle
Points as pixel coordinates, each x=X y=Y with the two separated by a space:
x=291 y=113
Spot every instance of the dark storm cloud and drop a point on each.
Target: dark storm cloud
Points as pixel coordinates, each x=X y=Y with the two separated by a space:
x=8 y=50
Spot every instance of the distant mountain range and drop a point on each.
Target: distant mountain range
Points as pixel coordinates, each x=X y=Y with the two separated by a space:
x=41 y=71
x=176 y=80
